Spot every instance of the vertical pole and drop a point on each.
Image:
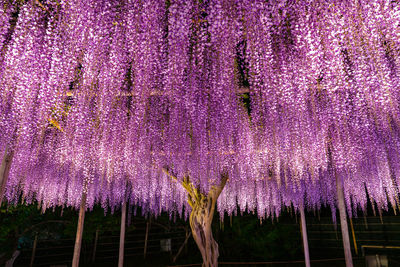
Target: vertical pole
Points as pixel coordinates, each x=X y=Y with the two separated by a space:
x=5 y=171
x=354 y=236
x=96 y=238
x=79 y=231
x=145 y=239
x=34 y=250
x=181 y=247
x=187 y=234
x=304 y=234
x=365 y=221
x=122 y=236
x=343 y=223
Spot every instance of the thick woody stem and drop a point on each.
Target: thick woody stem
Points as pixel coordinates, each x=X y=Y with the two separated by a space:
x=203 y=208
x=41 y=6
x=200 y=223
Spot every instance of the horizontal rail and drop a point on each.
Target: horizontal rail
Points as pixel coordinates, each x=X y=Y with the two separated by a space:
x=263 y=263
x=363 y=247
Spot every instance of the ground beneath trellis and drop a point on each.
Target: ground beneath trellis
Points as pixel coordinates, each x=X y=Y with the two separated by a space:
x=158 y=262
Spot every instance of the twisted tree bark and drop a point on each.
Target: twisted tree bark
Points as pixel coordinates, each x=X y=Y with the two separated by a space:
x=203 y=208
x=200 y=223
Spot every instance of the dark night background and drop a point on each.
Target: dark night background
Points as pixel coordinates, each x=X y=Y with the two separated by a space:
x=242 y=239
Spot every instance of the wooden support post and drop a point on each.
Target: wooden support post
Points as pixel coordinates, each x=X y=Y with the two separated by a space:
x=365 y=221
x=122 y=236
x=354 y=236
x=145 y=239
x=189 y=233
x=304 y=235
x=181 y=247
x=34 y=250
x=5 y=171
x=343 y=223
x=96 y=238
x=79 y=232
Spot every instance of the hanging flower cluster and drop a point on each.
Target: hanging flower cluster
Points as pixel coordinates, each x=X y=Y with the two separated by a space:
x=98 y=97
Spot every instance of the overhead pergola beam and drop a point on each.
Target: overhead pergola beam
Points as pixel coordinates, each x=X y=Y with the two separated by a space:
x=239 y=91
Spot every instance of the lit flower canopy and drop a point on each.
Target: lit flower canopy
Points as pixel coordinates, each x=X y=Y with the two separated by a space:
x=284 y=97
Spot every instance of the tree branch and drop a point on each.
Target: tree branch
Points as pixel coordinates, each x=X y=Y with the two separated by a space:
x=216 y=190
x=186 y=185
x=194 y=195
x=41 y=6
x=213 y=195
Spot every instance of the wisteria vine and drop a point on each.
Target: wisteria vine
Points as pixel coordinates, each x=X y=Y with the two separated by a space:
x=99 y=96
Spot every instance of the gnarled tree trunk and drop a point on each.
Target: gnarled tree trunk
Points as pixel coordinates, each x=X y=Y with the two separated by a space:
x=200 y=222
x=203 y=207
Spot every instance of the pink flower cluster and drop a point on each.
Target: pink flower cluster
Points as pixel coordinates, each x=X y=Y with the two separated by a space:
x=99 y=96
